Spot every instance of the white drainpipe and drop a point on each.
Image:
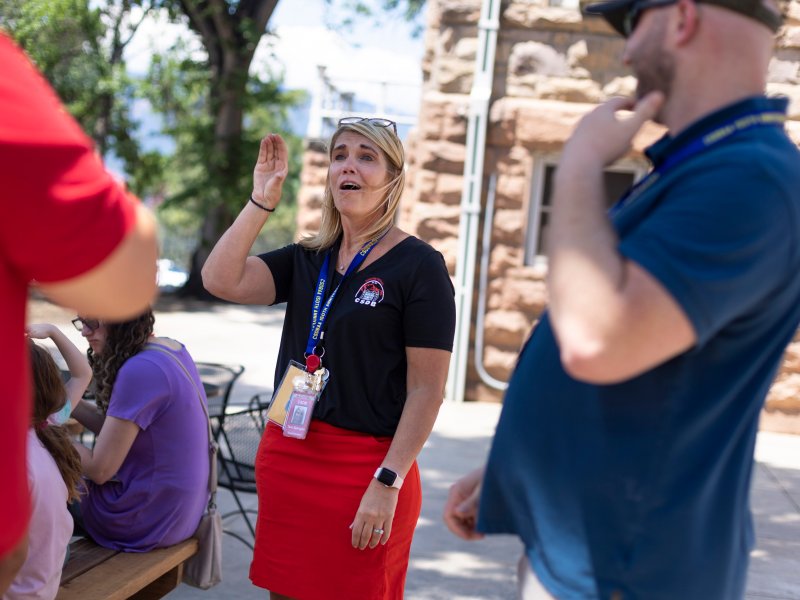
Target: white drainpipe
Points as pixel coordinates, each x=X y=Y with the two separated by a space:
x=483 y=282
x=480 y=95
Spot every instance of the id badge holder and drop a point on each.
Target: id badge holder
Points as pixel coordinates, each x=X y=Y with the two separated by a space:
x=280 y=399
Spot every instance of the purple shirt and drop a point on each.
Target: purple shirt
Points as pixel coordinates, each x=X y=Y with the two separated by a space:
x=161 y=490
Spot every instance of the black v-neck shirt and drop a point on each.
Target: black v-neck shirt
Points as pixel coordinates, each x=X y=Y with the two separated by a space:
x=403 y=299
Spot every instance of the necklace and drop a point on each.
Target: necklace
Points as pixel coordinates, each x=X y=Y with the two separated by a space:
x=343 y=263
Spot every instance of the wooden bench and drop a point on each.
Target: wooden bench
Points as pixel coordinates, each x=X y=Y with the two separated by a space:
x=96 y=573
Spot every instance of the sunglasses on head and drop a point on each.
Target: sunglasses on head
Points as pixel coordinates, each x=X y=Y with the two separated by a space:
x=90 y=324
x=370 y=120
x=634 y=13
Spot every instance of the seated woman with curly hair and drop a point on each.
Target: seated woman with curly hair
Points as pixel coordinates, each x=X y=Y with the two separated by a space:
x=148 y=472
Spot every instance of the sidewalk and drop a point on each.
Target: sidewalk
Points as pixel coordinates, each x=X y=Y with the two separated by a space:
x=442 y=566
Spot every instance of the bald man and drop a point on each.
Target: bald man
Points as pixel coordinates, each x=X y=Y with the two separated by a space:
x=624 y=452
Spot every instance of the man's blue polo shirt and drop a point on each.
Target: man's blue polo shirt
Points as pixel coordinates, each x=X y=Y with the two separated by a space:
x=641 y=489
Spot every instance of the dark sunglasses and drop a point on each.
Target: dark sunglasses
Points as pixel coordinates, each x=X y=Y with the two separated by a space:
x=634 y=13
x=370 y=120
x=90 y=324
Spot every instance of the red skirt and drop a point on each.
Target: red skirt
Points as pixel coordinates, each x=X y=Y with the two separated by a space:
x=308 y=494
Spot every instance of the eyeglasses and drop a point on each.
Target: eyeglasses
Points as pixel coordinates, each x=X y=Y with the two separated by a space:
x=90 y=324
x=370 y=120
x=634 y=13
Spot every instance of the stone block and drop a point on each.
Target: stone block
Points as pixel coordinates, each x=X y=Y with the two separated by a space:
x=567 y=89
x=620 y=86
x=784 y=395
x=505 y=329
x=790 y=38
x=459 y=11
x=530 y=15
x=424 y=184
x=454 y=75
x=783 y=71
x=310 y=197
x=449 y=249
x=466 y=49
x=502 y=119
x=442 y=157
x=449 y=188
x=512 y=192
x=536 y=58
x=502 y=258
x=516 y=161
x=508 y=226
x=500 y=363
x=524 y=294
x=434 y=228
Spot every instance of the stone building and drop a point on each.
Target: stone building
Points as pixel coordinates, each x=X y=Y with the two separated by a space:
x=514 y=80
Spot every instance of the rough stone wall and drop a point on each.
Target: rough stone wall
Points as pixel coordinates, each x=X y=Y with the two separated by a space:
x=312 y=187
x=551 y=67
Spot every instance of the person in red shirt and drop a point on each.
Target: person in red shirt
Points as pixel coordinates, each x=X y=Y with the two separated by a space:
x=72 y=231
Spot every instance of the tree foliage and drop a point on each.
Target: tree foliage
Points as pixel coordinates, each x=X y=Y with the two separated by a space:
x=79 y=48
x=212 y=104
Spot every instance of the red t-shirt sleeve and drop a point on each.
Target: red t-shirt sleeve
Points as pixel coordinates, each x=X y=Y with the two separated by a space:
x=63 y=212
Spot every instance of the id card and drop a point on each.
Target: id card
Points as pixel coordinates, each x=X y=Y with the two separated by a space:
x=280 y=399
x=299 y=411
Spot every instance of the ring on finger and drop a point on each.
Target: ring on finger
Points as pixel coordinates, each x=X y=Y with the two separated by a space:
x=377 y=530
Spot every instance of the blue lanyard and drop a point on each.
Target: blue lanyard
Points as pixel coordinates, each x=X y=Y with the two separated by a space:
x=732 y=127
x=320 y=310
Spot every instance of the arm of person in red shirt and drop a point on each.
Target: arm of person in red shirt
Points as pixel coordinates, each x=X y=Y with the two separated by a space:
x=121 y=286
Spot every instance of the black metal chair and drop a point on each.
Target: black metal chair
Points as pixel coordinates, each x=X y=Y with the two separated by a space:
x=218 y=380
x=239 y=436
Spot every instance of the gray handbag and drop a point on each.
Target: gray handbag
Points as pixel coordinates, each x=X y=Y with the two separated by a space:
x=204 y=569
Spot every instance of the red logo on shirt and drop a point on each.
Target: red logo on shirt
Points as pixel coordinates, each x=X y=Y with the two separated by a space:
x=370 y=293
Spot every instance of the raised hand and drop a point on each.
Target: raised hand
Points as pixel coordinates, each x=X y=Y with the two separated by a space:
x=270 y=171
x=39 y=331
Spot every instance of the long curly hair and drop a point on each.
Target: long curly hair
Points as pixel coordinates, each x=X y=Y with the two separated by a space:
x=49 y=396
x=331 y=222
x=123 y=340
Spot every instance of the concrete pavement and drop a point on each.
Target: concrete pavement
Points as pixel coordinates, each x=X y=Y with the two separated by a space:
x=442 y=566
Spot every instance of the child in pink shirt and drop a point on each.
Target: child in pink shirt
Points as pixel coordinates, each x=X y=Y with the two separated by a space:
x=54 y=467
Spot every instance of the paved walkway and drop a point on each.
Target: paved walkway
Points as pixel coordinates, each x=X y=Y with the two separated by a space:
x=442 y=566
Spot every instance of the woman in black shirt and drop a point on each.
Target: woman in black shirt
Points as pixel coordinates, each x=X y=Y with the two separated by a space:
x=375 y=306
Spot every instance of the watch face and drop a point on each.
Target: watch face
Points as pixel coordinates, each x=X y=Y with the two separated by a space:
x=387 y=477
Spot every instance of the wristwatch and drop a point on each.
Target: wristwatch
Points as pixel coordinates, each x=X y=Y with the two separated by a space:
x=388 y=478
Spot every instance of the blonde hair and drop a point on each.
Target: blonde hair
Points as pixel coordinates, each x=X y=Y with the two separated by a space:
x=392 y=149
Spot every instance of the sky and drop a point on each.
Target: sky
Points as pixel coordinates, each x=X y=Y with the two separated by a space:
x=356 y=58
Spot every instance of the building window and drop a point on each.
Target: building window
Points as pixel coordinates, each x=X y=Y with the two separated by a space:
x=617 y=180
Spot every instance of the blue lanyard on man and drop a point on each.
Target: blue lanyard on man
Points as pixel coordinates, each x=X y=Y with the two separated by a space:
x=763 y=118
x=320 y=310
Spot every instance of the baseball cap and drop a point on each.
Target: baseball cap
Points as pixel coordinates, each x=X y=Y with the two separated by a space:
x=615 y=11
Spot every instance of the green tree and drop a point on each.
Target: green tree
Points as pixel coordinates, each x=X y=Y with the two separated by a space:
x=230 y=31
x=214 y=107
x=79 y=49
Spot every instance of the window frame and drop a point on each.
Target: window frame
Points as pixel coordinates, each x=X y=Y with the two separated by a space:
x=638 y=168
